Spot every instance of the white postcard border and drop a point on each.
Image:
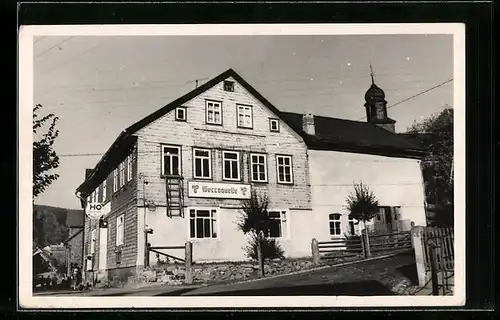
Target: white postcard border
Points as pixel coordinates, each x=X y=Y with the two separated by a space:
x=25 y=168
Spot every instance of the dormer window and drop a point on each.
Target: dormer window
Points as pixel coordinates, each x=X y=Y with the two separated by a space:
x=274 y=125
x=180 y=114
x=229 y=86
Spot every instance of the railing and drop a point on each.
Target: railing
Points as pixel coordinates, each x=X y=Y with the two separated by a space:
x=390 y=242
x=361 y=246
x=188 y=257
x=156 y=250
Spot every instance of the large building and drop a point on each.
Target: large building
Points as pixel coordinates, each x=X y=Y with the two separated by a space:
x=184 y=171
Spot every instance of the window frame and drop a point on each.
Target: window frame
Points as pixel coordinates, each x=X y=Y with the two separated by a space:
x=283 y=223
x=207 y=109
x=238 y=163
x=209 y=163
x=271 y=120
x=179 y=160
x=251 y=154
x=244 y=106
x=117 y=229
x=121 y=175
x=129 y=168
x=284 y=156
x=213 y=217
x=339 y=221
x=104 y=190
x=228 y=82
x=115 y=180
x=184 y=110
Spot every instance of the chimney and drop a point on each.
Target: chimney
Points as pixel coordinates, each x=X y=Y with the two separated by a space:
x=87 y=173
x=308 y=124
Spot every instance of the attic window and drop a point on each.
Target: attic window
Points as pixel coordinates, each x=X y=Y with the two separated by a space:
x=274 y=125
x=180 y=114
x=229 y=86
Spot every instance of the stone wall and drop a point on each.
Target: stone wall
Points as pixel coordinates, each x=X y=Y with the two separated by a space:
x=221 y=272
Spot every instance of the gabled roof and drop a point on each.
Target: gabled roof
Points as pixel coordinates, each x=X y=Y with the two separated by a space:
x=327 y=139
x=126 y=139
x=354 y=136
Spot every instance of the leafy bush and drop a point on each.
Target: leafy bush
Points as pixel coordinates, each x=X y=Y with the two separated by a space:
x=270 y=249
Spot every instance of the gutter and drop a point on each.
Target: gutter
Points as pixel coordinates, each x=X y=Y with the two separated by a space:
x=82 y=201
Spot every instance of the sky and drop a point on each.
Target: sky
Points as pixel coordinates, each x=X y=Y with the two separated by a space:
x=99 y=85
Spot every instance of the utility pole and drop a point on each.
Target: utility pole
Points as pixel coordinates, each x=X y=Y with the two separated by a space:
x=196 y=81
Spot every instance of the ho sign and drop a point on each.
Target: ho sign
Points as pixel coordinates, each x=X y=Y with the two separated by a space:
x=97 y=210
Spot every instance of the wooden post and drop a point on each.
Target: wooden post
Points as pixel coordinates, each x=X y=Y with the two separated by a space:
x=146 y=249
x=362 y=238
x=434 y=275
x=368 y=253
x=418 y=247
x=189 y=262
x=315 y=252
x=260 y=258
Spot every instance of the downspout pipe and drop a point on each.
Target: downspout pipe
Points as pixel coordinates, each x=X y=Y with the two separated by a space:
x=83 y=204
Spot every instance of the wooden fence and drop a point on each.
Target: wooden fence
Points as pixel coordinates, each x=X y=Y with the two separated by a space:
x=434 y=257
x=442 y=240
x=188 y=257
x=363 y=246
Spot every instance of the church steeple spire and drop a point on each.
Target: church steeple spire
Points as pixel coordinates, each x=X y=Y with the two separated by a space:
x=376 y=106
x=371 y=74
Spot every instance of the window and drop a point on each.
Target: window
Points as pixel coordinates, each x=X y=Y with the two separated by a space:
x=129 y=167
x=245 y=116
x=277 y=224
x=202 y=223
x=229 y=86
x=214 y=112
x=352 y=227
x=92 y=241
x=171 y=161
x=122 y=174
x=202 y=164
x=274 y=125
x=115 y=180
x=104 y=190
x=231 y=163
x=284 y=167
x=120 y=221
x=258 y=167
x=180 y=114
x=335 y=224
x=96 y=199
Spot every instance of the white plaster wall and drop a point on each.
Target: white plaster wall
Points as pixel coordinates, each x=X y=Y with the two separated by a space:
x=394 y=181
x=230 y=243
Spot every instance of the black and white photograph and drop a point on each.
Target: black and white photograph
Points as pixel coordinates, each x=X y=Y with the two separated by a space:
x=205 y=166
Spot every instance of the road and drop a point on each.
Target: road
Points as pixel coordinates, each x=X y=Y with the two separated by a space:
x=361 y=279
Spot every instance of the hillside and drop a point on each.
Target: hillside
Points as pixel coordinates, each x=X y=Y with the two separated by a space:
x=50 y=224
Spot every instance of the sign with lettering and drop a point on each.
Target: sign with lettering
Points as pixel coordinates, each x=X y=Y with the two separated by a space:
x=96 y=210
x=218 y=190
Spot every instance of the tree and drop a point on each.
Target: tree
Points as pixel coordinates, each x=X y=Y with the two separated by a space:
x=255 y=221
x=362 y=203
x=47 y=230
x=45 y=159
x=435 y=133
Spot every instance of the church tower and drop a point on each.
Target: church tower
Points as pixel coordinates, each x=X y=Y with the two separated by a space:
x=376 y=107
